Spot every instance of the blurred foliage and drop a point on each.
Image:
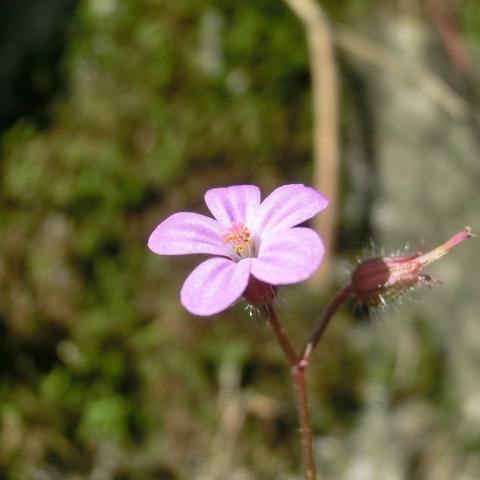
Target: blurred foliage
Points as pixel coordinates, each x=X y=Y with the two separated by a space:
x=101 y=370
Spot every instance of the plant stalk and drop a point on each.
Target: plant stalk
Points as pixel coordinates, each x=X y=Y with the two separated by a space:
x=299 y=364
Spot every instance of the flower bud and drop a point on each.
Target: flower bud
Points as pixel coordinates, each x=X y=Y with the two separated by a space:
x=382 y=280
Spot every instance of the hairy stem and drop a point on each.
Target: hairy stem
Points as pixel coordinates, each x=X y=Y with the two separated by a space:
x=299 y=363
x=304 y=421
x=298 y=372
x=281 y=336
x=340 y=297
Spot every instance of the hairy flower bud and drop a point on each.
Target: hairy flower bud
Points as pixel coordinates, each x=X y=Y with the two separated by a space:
x=379 y=281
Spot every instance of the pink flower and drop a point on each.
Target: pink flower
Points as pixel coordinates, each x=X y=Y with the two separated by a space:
x=380 y=280
x=254 y=245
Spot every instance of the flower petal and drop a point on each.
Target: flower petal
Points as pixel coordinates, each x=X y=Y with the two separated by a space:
x=288 y=257
x=233 y=204
x=286 y=207
x=187 y=232
x=214 y=285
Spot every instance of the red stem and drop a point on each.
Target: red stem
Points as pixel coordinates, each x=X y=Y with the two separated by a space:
x=281 y=335
x=304 y=421
x=340 y=297
x=299 y=365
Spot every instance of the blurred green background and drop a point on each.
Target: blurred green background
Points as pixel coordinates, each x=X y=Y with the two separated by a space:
x=116 y=113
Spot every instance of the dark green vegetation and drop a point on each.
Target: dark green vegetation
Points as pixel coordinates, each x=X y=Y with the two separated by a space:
x=101 y=371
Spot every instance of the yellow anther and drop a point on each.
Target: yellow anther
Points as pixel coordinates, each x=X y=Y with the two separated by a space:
x=238 y=236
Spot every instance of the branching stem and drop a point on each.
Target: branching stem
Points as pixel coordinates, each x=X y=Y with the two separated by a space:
x=298 y=364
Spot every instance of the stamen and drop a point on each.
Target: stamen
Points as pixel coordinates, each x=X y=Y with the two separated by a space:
x=238 y=236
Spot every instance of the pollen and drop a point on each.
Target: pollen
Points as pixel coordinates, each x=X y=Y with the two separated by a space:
x=239 y=237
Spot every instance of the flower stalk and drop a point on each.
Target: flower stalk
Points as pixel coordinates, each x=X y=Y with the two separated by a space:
x=299 y=364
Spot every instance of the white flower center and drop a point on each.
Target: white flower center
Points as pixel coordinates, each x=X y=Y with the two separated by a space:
x=239 y=237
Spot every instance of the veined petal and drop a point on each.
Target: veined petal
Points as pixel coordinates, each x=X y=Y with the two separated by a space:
x=214 y=285
x=286 y=207
x=186 y=232
x=287 y=257
x=233 y=204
